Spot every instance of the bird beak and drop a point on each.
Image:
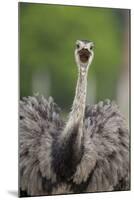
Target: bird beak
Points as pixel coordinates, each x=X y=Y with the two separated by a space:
x=84 y=54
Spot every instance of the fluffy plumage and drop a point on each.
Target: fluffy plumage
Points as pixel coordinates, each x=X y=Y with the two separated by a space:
x=50 y=165
x=88 y=153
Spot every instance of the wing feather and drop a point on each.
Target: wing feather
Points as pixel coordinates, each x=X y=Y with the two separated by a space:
x=106 y=148
x=39 y=121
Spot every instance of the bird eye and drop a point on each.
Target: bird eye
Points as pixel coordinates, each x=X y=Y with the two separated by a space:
x=78 y=46
x=91 y=47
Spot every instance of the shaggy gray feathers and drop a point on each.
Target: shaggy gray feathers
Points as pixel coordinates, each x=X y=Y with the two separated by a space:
x=106 y=148
x=104 y=165
x=38 y=119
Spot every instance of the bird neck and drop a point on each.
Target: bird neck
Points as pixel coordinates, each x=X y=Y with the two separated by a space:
x=76 y=116
x=78 y=107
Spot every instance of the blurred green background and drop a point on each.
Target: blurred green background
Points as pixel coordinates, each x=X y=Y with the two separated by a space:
x=47 y=41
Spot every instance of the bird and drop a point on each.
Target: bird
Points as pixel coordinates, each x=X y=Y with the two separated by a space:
x=87 y=152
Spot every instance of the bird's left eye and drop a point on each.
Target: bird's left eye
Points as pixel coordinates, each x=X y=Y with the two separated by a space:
x=91 y=47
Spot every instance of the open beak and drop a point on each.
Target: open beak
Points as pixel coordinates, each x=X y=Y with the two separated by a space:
x=84 y=55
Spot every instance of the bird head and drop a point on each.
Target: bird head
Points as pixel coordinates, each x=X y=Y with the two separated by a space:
x=84 y=55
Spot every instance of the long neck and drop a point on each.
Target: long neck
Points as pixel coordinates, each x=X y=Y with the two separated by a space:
x=69 y=147
x=76 y=116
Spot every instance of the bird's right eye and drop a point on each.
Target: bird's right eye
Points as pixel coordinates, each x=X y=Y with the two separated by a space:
x=78 y=46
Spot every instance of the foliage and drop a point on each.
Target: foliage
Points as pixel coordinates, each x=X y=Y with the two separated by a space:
x=47 y=40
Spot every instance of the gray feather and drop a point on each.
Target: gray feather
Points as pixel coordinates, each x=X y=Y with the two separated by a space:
x=104 y=164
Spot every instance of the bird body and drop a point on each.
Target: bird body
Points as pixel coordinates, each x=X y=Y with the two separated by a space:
x=88 y=153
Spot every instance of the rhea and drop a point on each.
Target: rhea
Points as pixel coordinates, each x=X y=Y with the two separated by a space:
x=87 y=153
